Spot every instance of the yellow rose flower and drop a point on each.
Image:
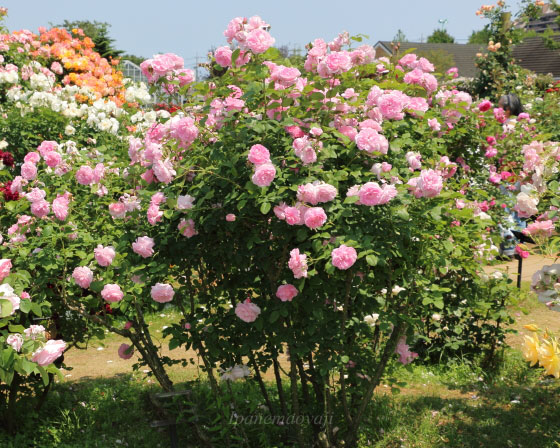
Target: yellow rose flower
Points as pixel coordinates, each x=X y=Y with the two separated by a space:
x=531 y=349
x=549 y=357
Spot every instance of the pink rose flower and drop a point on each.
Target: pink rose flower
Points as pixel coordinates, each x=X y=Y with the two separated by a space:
x=434 y=124
x=5 y=267
x=112 y=293
x=154 y=214
x=264 y=175
x=28 y=171
x=314 y=217
x=259 y=41
x=540 y=228
x=84 y=175
x=34 y=331
x=430 y=183
x=343 y=257
x=484 y=106
x=298 y=263
x=124 y=352
x=258 y=155
x=162 y=292
x=230 y=217
x=40 y=208
x=46 y=147
x=292 y=215
x=128 y=325
x=53 y=159
x=32 y=157
x=372 y=194
x=104 y=255
x=143 y=246
x=60 y=206
x=16 y=341
x=286 y=292
x=185 y=202
x=370 y=140
x=223 y=56
x=187 y=228
x=247 y=311
x=50 y=352
x=403 y=350
x=117 y=210
x=83 y=276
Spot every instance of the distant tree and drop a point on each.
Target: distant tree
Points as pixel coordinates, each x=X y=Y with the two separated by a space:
x=440 y=37
x=400 y=37
x=132 y=58
x=480 y=37
x=98 y=32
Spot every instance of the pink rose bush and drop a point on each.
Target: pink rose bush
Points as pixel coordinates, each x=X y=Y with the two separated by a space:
x=240 y=189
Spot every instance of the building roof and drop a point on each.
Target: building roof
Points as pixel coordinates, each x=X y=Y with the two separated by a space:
x=463 y=55
x=533 y=55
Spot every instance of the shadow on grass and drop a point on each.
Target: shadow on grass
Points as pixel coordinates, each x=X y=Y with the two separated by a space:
x=100 y=412
x=503 y=416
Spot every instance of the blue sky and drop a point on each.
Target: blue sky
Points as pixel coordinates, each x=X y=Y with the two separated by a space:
x=191 y=28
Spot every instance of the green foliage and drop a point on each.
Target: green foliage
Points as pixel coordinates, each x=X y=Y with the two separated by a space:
x=480 y=37
x=440 y=37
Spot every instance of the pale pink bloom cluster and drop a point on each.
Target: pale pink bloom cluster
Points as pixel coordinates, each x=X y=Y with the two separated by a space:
x=5 y=267
x=162 y=292
x=298 y=263
x=104 y=254
x=392 y=104
x=286 y=293
x=411 y=61
x=284 y=77
x=526 y=205
x=187 y=228
x=112 y=293
x=306 y=149
x=540 y=228
x=421 y=72
x=83 y=276
x=154 y=214
x=337 y=61
x=230 y=217
x=223 y=56
x=144 y=246
x=371 y=193
x=382 y=167
x=265 y=171
x=316 y=193
x=34 y=331
x=250 y=34
x=414 y=160
x=428 y=185
x=235 y=373
x=39 y=206
x=125 y=352
x=247 y=311
x=52 y=350
x=434 y=124
x=15 y=340
x=344 y=257
x=446 y=168
x=161 y=65
x=454 y=104
x=60 y=206
x=371 y=141
x=403 y=350
x=185 y=202
x=312 y=217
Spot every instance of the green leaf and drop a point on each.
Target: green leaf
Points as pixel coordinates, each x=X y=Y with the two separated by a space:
x=273 y=316
x=6 y=308
x=265 y=207
x=96 y=286
x=25 y=305
x=345 y=359
x=372 y=260
x=174 y=343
